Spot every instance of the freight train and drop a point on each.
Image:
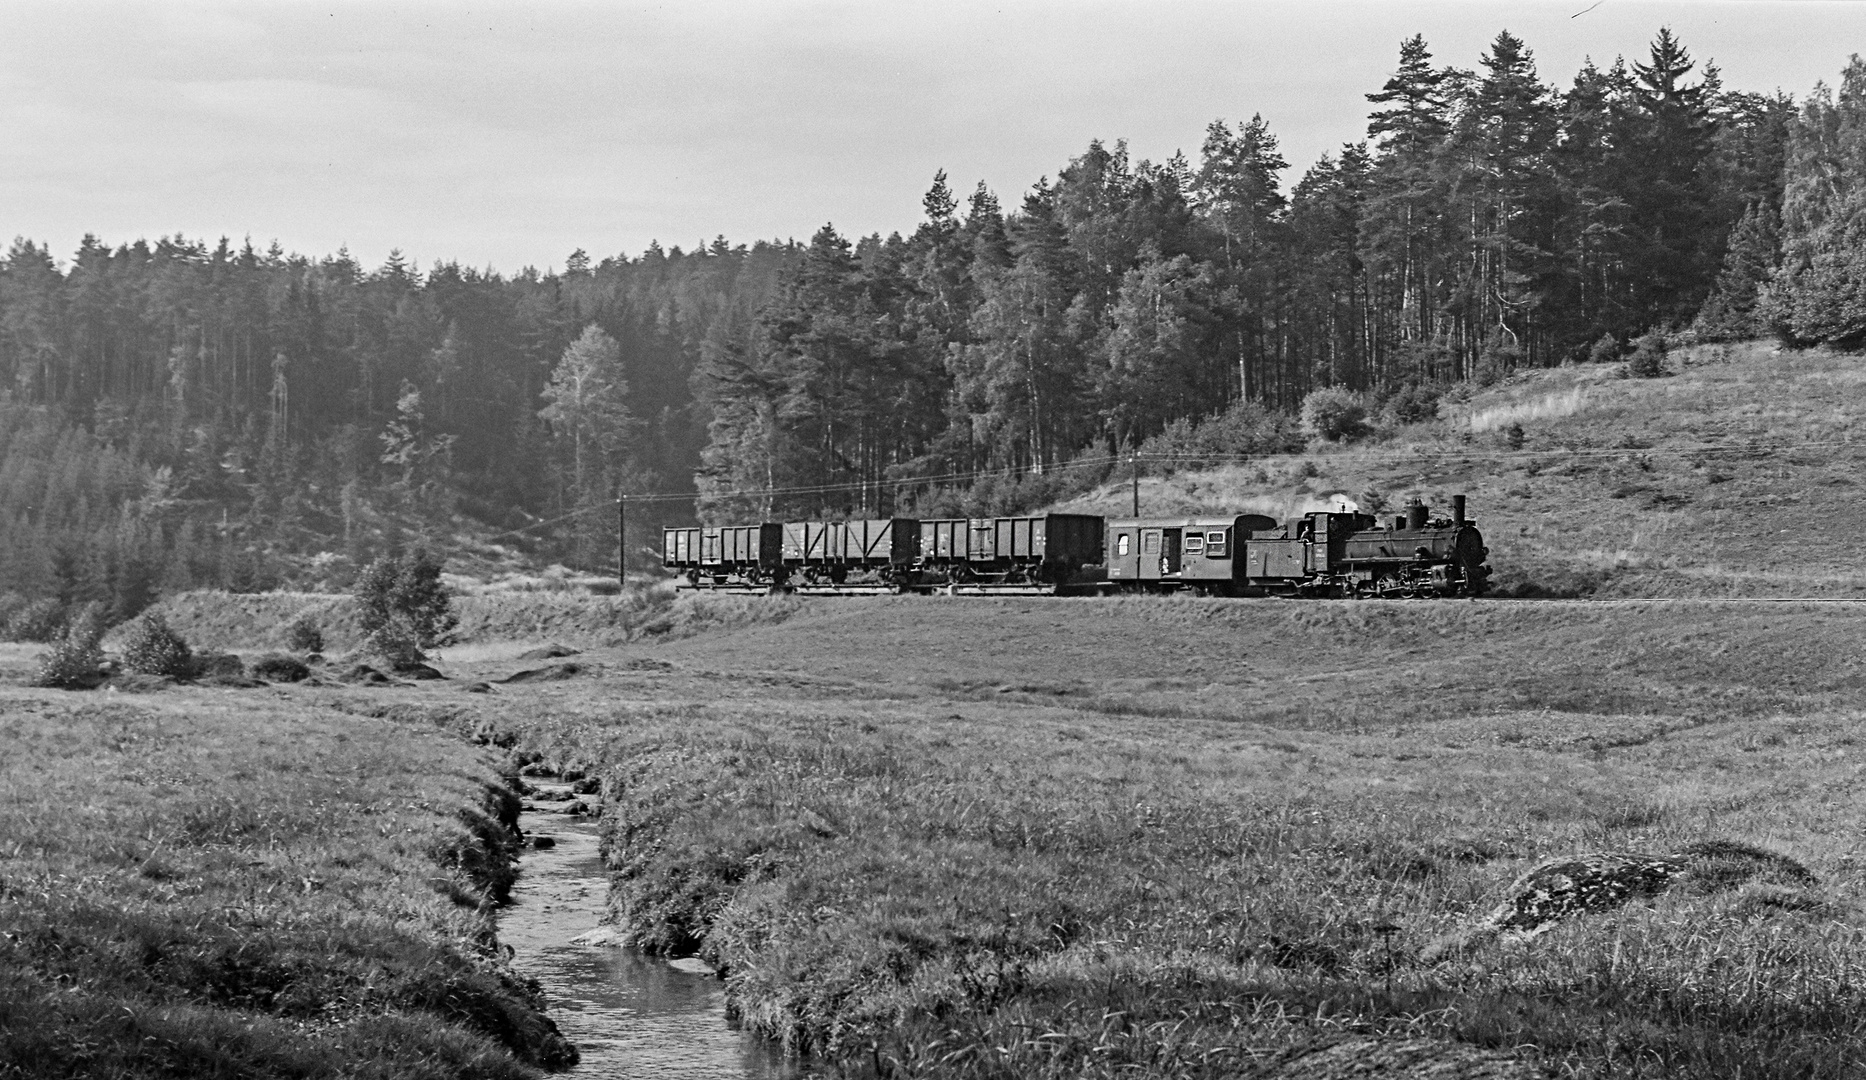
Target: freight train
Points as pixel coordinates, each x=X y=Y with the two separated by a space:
x=1341 y=554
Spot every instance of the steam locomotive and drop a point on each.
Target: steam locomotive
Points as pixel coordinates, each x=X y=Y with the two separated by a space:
x=1327 y=553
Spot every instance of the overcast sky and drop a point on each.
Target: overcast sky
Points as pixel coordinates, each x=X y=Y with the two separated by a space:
x=508 y=135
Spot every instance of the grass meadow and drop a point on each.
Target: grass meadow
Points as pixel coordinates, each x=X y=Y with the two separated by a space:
x=201 y=883
x=950 y=838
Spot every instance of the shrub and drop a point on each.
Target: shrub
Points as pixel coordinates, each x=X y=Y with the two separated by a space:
x=1604 y=351
x=1414 y=403
x=1648 y=359
x=1246 y=429
x=303 y=635
x=76 y=660
x=406 y=589
x=1513 y=436
x=1495 y=363
x=1334 y=413
x=277 y=667
x=396 y=643
x=40 y=620
x=152 y=648
x=219 y=665
x=11 y=604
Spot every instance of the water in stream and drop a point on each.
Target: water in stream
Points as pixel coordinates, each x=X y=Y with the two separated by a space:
x=629 y=1015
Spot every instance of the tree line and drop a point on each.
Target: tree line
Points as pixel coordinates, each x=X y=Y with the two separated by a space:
x=179 y=414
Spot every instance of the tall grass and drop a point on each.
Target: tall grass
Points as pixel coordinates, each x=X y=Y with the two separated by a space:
x=196 y=887
x=1543 y=408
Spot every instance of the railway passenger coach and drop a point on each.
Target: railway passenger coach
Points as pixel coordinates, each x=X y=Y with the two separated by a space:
x=1327 y=553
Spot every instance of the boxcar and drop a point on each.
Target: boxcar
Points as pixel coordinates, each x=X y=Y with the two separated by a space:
x=870 y=550
x=1047 y=549
x=723 y=556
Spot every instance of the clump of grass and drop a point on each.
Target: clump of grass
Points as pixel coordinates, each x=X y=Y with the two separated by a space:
x=277 y=667
x=1547 y=407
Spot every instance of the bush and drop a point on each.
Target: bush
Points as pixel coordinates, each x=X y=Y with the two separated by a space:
x=1604 y=351
x=1246 y=429
x=1495 y=364
x=406 y=589
x=1334 y=413
x=1648 y=359
x=76 y=661
x=303 y=635
x=1414 y=403
x=219 y=665
x=277 y=667
x=151 y=648
x=11 y=604
x=396 y=644
x=40 y=620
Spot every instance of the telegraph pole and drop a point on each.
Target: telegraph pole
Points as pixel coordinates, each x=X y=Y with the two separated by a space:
x=622 y=540
x=1134 y=461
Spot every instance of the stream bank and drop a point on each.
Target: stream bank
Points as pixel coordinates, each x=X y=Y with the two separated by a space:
x=627 y=1013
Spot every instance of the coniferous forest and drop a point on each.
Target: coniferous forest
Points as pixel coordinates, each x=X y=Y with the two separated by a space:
x=176 y=413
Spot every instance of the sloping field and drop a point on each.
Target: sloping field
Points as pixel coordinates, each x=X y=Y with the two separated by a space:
x=1738 y=475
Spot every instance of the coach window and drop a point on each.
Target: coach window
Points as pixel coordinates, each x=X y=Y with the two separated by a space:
x=1195 y=543
x=1150 y=542
x=1215 y=547
x=1120 y=544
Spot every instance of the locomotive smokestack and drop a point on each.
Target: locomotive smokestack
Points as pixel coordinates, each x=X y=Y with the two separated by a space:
x=1457 y=509
x=1415 y=515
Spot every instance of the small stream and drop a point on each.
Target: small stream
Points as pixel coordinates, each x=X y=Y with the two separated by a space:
x=629 y=1015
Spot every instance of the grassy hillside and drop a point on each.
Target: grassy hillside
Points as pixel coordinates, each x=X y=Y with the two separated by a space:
x=1738 y=474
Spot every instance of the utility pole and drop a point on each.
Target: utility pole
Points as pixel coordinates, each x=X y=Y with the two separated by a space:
x=622 y=540
x=1134 y=461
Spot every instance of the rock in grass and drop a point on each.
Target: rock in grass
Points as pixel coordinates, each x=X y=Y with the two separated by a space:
x=546 y=674
x=363 y=674
x=1604 y=880
x=548 y=652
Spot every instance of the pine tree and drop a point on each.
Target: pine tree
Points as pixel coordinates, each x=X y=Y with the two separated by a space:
x=1818 y=294
x=1237 y=193
x=1749 y=261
